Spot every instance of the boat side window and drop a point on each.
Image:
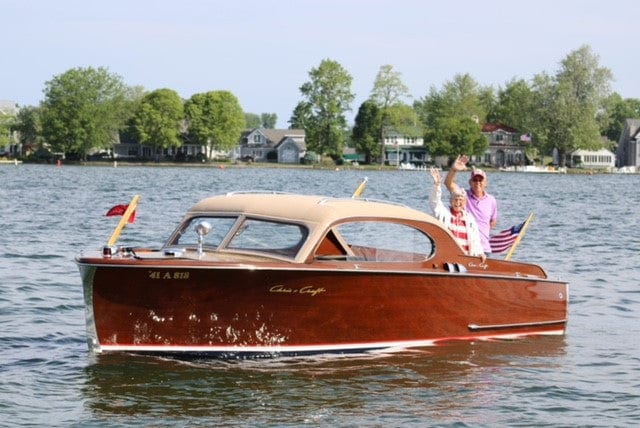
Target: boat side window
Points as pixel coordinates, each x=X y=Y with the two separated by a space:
x=386 y=241
x=220 y=227
x=269 y=236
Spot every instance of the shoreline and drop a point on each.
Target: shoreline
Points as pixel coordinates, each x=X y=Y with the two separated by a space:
x=244 y=165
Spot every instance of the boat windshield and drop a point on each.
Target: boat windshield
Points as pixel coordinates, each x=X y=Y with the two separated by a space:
x=268 y=236
x=251 y=234
x=220 y=227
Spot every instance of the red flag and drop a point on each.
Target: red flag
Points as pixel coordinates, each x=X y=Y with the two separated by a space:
x=119 y=210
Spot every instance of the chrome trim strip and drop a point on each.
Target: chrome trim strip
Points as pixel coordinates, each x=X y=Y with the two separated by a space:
x=476 y=327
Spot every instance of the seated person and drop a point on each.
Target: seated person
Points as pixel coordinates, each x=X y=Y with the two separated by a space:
x=456 y=218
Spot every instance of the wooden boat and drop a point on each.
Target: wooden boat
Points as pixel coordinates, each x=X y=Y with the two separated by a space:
x=263 y=274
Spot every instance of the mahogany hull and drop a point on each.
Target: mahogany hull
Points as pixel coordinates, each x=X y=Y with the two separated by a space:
x=301 y=309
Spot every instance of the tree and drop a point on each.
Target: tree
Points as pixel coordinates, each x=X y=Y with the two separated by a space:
x=615 y=112
x=215 y=119
x=453 y=116
x=264 y=120
x=301 y=116
x=453 y=135
x=404 y=119
x=7 y=123
x=83 y=109
x=252 y=120
x=514 y=106
x=269 y=120
x=388 y=90
x=328 y=96
x=460 y=97
x=578 y=92
x=158 y=119
x=29 y=127
x=366 y=131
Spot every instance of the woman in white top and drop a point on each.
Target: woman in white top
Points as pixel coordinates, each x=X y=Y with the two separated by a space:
x=460 y=223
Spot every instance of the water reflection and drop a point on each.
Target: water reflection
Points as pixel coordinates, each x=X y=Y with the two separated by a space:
x=298 y=390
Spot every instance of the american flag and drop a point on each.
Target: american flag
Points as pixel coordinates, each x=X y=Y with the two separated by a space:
x=505 y=239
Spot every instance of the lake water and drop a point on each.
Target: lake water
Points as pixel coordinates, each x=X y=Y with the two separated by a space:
x=586 y=230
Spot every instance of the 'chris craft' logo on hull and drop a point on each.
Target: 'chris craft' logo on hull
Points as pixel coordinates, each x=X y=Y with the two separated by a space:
x=312 y=291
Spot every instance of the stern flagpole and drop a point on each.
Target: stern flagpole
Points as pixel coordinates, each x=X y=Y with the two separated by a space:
x=519 y=237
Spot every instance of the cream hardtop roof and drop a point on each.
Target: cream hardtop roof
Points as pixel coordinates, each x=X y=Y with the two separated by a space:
x=305 y=208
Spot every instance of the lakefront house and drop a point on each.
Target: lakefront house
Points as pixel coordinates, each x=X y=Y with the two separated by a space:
x=286 y=146
x=627 y=153
x=506 y=146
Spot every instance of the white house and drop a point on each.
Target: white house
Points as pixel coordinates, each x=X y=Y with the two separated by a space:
x=402 y=149
x=14 y=148
x=596 y=159
x=274 y=145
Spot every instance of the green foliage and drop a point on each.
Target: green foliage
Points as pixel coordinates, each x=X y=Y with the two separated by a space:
x=566 y=105
x=264 y=120
x=301 y=116
x=29 y=125
x=83 y=109
x=388 y=88
x=253 y=120
x=452 y=136
x=7 y=122
x=215 y=119
x=311 y=158
x=269 y=120
x=158 y=119
x=461 y=97
x=614 y=113
x=453 y=116
x=367 y=130
x=404 y=119
x=327 y=96
x=388 y=93
x=514 y=106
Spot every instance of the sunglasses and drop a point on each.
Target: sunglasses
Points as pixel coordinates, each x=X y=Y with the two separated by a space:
x=477 y=179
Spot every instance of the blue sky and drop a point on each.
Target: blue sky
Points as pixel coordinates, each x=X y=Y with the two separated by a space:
x=263 y=50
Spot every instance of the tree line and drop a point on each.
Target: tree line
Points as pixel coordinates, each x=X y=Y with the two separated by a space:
x=86 y=109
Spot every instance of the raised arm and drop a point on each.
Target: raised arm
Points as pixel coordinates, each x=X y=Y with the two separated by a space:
x=458 y=165
x=435 y=196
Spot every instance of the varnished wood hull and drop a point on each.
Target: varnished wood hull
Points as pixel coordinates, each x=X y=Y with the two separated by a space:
x=265 y=309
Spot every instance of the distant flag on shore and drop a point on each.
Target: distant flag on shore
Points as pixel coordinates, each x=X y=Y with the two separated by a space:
x=505 y=239
x=120 y=210
x=525 y=137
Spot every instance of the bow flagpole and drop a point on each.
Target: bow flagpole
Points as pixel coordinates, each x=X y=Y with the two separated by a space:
x=360 y=188
x=519 y=237
x=125 y=217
